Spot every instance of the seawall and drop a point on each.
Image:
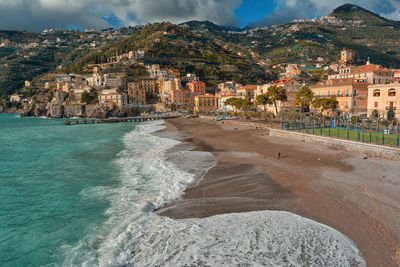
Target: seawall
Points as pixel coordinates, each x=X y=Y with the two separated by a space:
x=368 y=149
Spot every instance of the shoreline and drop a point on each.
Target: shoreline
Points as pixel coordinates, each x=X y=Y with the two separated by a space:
x=337 y=188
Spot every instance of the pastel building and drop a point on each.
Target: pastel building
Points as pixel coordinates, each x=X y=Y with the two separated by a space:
x=111 y=98
x=292 y=86
x=196 y=87
x=221 y=102
x=136 y=94
x=247 y=92
x=370 y=73
x=350 y=93
x=385 y=99
x=205 y=103
x=182 y=97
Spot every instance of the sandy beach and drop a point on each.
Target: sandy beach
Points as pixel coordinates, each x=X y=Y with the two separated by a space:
x=356 y=195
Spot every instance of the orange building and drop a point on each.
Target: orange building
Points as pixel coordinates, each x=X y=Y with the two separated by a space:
x=197 y=88
x=351 y=94
x=182 y=97
x=136 y=94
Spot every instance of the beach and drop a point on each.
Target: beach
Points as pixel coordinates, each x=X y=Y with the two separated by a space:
x=347 y=191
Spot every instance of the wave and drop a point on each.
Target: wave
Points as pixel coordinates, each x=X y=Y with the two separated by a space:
x=265 y=238
x=147 y=181
x=152 y=174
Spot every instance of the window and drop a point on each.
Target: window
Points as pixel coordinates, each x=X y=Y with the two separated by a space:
x=347 y=92
x=319 y=93
x=329 y=93
x=338 y=92
x=347 y=104
x=376 y=93
x=392 y=92
x=376 y=104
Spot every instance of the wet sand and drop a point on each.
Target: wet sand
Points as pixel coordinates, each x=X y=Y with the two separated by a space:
x=358 y=197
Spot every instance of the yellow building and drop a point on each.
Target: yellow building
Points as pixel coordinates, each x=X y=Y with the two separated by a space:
x=385 y=99
x=205 y=103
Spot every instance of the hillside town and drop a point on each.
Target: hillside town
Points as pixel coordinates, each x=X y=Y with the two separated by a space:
x=366 y=91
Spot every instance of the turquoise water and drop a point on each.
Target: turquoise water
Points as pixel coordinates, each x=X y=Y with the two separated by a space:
x=45 y=166
x=85 y=195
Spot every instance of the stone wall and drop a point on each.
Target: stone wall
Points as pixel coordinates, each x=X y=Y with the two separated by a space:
x=74 y=111
x=368 y=149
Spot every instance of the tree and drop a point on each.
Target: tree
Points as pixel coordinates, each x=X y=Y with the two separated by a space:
x=276 y=93
x=263 y=100
x=87 y=97
x=304 y=97
x=239 y=103
x=324 y=104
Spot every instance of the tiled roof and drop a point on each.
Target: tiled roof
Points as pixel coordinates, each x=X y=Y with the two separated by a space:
x=249 y=87
x=338 y=82
x=283 y=81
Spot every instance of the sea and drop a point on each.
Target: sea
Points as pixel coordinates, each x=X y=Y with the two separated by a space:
x=87 y=195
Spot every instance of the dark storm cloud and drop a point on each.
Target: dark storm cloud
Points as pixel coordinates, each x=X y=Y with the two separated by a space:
x=40 y=14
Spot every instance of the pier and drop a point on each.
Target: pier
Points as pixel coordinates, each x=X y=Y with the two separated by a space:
x=117 y=120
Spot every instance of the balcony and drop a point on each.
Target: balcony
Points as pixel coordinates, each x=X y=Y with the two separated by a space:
x=326 y=96
x=391 y=108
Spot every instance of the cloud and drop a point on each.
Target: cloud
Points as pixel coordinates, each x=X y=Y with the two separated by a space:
x=288 y=10
x=40 y=14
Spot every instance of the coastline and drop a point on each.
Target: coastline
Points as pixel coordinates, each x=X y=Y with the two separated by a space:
x=356 y=196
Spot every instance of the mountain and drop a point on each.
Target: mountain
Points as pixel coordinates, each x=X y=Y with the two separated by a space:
x=216 y=53
x=195 y=24
x=354 y=12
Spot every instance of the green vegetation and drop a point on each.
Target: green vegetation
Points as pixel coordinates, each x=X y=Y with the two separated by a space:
x=325 y=104
x=276 y=93
x=304 y=97
x=239 y=103
x=354 y=135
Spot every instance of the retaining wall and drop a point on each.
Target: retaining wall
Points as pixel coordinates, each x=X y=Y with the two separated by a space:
x=368 y=149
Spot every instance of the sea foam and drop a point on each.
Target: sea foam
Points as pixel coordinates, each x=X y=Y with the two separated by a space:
x=135 y=235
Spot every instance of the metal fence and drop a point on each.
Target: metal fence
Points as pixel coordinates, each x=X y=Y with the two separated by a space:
x=374 y=134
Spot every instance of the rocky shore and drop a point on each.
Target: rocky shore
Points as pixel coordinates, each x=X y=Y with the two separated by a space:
x=83 y=111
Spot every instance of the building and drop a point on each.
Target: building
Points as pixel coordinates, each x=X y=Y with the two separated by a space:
x=182 y=97
x=111 y=98
x=149 y=85
x=229 y=87
x=196 y=87
x=370 y=73
x=385 y=99
x=136 y=94
x=346 y=58
x=190 y=77
x=396 y=76
x=16 y=98
x=221 y=102
x=247 y=92
x=169 y=85
x=174 y=73
x=350 y=93
x=28 y=83
x=205 y=103
x=292 y=86
x=292 y=70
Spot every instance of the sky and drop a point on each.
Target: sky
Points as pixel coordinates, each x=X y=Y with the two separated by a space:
x=37 y=15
